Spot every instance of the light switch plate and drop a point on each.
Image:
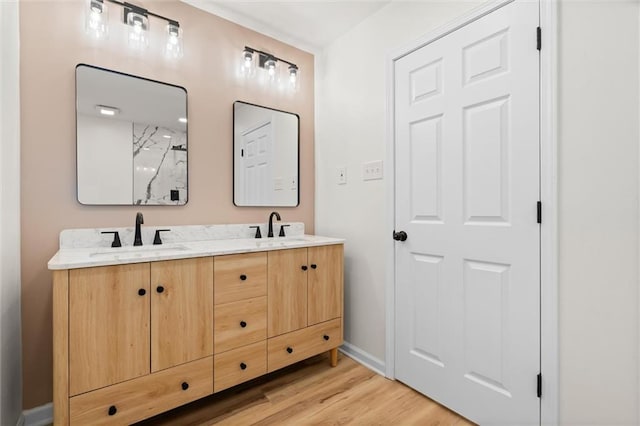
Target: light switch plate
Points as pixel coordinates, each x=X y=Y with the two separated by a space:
x=341 y=175
x=372 y=170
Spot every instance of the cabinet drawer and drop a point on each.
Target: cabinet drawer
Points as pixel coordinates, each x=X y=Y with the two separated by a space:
x=144 y=397
x=301 y=344
x=240 y=323
x=229 y=365
x=239 y=276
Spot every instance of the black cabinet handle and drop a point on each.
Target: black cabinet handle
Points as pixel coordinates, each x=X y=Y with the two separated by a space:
x=314 y=266
x=142 y=292
x=112 y=410
x=325 y=337
x=243 y=324
x=159 y=289
x=243 y=277
x=185 y=385
x=290 y=349
x=304 y=267
x=243 y=366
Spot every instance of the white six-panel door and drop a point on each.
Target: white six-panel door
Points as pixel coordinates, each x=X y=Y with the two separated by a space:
x=257 y=164
x=467 y=184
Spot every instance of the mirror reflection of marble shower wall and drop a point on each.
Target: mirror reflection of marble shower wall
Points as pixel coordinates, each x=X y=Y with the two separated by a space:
x=159 y=165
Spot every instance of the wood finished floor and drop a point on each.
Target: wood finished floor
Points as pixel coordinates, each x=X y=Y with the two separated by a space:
x=311 y=392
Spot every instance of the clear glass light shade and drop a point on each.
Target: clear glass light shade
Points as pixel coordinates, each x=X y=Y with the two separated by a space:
x=271 y=69
x=248 y=64
x=174 y=47
x=97 y=19
x=293 y=74
x=138 y=30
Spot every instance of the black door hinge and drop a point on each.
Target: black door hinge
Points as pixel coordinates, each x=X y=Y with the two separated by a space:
x=539 y=38
x=539 y=208
x=539 y=391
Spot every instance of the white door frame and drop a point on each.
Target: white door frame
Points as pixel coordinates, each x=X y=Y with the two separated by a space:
x=548 y=196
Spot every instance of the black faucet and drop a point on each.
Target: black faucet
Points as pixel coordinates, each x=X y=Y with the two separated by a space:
x=277 y=215
x=137 y=241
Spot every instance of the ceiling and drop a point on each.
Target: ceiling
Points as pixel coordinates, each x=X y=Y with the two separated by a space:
x=307 y=24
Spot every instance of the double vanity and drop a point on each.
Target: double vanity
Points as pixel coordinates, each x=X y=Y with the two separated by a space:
x=139 y=330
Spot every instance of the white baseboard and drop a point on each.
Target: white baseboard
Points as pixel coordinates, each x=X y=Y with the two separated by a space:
x=363 y=357
x=38 y=416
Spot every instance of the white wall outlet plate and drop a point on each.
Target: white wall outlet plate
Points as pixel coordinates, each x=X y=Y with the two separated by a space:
x=372 y=170
x=341 y=175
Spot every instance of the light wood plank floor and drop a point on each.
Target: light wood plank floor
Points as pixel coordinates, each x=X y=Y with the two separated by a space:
x=311 y=392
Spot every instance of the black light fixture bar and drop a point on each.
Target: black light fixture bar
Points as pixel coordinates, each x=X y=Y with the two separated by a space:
x=128 y=7
x=267 y=56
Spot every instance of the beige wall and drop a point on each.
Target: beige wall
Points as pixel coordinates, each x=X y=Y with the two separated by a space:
x=52 y=43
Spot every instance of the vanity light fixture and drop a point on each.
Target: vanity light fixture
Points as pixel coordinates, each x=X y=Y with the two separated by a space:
x=252 y=57
x=137 y=20
x=96 y=20
x=107 y=110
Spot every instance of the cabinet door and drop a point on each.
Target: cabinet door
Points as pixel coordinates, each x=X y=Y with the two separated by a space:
x=108 y=325
x=181 y=311
x=325 y=283
x=287 y=290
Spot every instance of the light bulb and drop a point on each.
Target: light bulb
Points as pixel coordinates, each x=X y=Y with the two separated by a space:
x=96 y=23
x=270 y=66
x=248 y=65
x=138 y=30
x=174 y=47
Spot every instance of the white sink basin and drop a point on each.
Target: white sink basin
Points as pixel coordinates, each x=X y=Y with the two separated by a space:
x=137 y=250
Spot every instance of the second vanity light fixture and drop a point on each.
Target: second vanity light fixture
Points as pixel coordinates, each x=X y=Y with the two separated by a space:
x=252 y=58
x=137 y=20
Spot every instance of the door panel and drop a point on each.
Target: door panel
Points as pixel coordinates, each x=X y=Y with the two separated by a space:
x=287 y=290
x=108 y=325
x=181 y=311
x=325 y=283
x=467 y=183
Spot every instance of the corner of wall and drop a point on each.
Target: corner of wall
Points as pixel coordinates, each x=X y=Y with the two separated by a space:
x=10 y=329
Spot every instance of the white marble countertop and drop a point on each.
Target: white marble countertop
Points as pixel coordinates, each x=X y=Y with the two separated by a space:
x=86 y=257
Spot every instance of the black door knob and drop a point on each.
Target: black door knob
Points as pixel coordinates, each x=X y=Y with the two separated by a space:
x=142 y=292
x=290 y=349
x=400 y=236
x=185 y=385
x=243 y=324
x=243 y=366
x=304 y=267
x=112 y=410
x=325 y=337
x=243 y=277
x=314 y=266
x=159 y=289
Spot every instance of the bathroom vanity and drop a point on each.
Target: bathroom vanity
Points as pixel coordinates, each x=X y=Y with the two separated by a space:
x=141 y=330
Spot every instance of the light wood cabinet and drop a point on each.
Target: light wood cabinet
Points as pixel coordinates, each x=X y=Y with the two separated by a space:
x=135 y=340
x=108 y=326
x=181 y=311
x=306 y=285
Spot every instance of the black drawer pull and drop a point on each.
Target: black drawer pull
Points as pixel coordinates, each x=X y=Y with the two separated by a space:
x=243 y=277
x=243 y=366
x=243 y=324
x=159 y=289
x=290 y=349
x=304 y=267
x=325 y=337
x=314 y=266
x=112 y=410
x=142 y=292
x=185 y=385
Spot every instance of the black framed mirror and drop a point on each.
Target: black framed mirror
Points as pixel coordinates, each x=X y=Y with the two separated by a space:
x=131 y=139
x=266 y=156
